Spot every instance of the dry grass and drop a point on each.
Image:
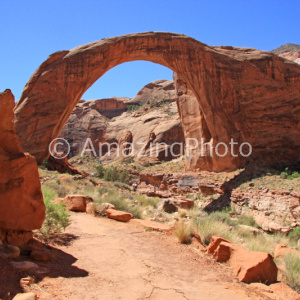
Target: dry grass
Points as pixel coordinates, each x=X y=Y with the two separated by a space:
x=183 y=232
x=292 y=275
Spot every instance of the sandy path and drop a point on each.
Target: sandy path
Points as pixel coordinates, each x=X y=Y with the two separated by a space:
x=120 y=261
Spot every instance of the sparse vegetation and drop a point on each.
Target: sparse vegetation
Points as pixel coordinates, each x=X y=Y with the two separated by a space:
x=115 y=190
x=183 y=232
x=292 y=266
x=57 y=217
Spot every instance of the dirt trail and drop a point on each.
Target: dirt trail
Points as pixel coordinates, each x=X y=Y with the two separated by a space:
x=120 y=261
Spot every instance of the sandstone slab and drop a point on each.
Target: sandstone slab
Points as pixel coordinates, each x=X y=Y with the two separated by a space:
x=119 y=215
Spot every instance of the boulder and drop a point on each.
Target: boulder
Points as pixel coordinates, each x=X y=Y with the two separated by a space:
x=16 y=237
x=21 y=199
x=25 y=296
x=119 y=215
x=169 y=207
x=214 y=244
x=281 y=250
x=75 y=202
x=249 y=266
x=9 y=251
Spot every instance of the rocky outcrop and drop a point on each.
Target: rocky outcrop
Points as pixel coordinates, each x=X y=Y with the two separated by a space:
x=89 y=121
x=289 y=51
x=245 y=95
x=21 y=199
x=270 y=208
x=158 y=90
x=86 y=122
x=62 y=165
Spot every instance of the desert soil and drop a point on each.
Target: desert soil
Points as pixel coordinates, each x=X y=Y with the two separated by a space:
x=106 y=259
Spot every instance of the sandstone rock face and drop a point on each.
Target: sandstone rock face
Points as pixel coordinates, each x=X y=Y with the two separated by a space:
x=281 y=206
x=75 y=202
x=90 y=121
x=119 y=215
x=289 y=51
x=155 y=91
x=85 y=122
x=62 y=165
x=244 y=95
x=21 y=199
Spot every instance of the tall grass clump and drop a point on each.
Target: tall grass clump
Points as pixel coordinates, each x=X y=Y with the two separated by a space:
x=208 y=227
x=292 y=266
x=183 y=232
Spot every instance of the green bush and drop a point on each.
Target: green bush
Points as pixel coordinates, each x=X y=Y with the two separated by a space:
x=100 y=171
x=111 y=174
x=44 y=164
x=295 y=234
x=289 y=174
x=146 y=201
x=132 y=107
x=247 y=220
x=57 y=217
x=124 y=177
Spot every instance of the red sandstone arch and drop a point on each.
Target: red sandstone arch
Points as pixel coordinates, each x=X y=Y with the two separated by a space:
x=244 y=94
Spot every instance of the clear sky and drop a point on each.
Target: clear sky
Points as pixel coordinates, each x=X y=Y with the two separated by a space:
x=30 y=30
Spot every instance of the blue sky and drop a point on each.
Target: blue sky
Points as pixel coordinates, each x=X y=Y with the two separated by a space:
x=31 y=30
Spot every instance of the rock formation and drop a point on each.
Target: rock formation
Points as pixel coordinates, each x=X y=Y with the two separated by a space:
x=21 y=199
x=244 y=95
x=159 y=119
x=289 y=51
x=155 y=91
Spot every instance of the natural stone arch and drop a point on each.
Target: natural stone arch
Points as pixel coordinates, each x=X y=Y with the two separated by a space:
x=232 y=86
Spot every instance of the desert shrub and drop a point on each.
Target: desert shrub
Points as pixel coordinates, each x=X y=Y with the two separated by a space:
x=100 y=171
x=44 y=164
x=247 y=220
x=295 y=234
x=136 y=211
x=183 y=232
x=124 y=177
x=111 y=174
x=292 y=266
x=57 y=216
x=146 y=201
x=289 y=174
x=121 y=185
x=105 y=190
x=133 y=107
